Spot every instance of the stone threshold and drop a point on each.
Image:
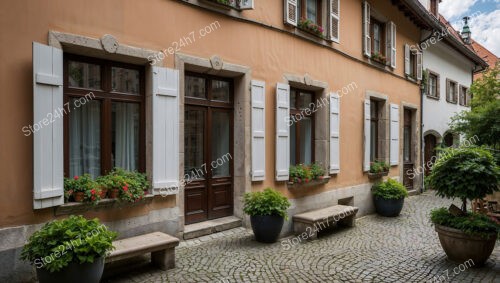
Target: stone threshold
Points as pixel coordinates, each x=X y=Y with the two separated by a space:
x=197 y=230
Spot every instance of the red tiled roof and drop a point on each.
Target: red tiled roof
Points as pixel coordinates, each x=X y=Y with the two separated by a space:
x=485 y=54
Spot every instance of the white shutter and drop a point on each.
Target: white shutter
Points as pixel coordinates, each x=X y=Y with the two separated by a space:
x=334 y=6
x=291 y=12
x=334 y=133
x=165 y=130
x=391 y=44
x=366 y=157
x=366 y=29
x=245 y=4
x=258 y=130
x=419 y=65
x=394 y=153
x=48 y=178
x=282 y=131
x=407 y=59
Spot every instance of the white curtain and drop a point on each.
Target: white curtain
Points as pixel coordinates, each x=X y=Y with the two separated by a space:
x=85 y=139
x=126 y=135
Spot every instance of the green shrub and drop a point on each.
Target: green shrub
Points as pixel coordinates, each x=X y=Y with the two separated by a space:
x=472 y=224
x=74 y=239
x=267 y=202
x=390 y=189
x=467 y=173
x=305 y=173
x=379 y=166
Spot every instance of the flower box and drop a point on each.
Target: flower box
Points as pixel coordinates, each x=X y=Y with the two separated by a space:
x=224 y=4
x=81 y=207
x=373 y=176
x=322 y=180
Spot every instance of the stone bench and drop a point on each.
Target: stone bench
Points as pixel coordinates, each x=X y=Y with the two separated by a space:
x=160 y=245
x=312 y=222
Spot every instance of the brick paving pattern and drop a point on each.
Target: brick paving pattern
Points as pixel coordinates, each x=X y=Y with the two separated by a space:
x=402 y=249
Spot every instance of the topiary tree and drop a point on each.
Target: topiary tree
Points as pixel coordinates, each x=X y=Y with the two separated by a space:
x=467 y=173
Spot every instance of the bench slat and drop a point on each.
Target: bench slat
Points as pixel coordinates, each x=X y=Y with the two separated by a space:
x=142 y=244
x=324 y=213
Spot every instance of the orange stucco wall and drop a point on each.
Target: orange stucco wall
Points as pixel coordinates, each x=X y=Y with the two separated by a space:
x=155 y=25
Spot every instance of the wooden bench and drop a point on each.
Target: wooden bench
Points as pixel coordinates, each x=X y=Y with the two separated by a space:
x=160 y=245
x=312 y=222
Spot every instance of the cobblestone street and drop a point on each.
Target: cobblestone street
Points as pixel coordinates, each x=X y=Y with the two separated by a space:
x=403 y=249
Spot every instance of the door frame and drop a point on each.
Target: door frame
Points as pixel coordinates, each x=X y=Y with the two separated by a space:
x=242 y=77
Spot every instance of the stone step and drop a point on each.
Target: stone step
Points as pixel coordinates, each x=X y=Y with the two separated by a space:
x=197 y=230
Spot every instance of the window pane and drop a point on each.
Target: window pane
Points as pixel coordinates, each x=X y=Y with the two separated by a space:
x=373 y=140
x=407 y=144
x=220 y=90
x=84 y=75
x=220 y=144
x=195 y=87
x=194 y=129
x=373 y=109
x=293 y=97
x=125 y=80
x=312 y=10
x=293 y=145
x=85 y=139
x=125 y=133
x=305 y=129
x=304 y=100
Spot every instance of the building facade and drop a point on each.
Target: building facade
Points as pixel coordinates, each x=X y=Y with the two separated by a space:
x=210 y=100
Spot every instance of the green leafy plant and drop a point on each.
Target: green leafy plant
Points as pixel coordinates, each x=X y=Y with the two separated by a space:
x=84 y=184
x=377 y=56
x=390 y=189
x=466 y=173
x=472 y=224
x=379 y=166
x=311 y=27
x=131 y=184
x=74 y=239
x=267 y=202
x=305 y=173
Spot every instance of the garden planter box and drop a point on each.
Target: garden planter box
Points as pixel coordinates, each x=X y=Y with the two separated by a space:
x=80 y=207
x=373 y=176
x=461 y=247
x=324 y=180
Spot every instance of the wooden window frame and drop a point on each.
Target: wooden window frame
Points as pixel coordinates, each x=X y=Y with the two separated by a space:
x=382 y=30
x=303 y=11
x=454 y=99
x=295 y=110
x=438 y=94
x=465 y=101
x=106 y=96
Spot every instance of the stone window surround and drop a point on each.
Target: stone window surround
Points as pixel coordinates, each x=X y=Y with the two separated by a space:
x=322 y=120
x=383 y=126
x=108 y=48
x=438 y=85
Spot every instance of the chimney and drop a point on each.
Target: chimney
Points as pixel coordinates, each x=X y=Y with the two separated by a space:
x=466 y=34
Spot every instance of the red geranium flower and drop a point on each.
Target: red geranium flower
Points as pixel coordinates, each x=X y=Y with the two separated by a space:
x=76 y=177
x=93 y=197
x=92 y=192
x=125 y=188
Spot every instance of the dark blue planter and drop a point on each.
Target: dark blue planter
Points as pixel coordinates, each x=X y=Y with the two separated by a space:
x=266 y=228
x=388 y=207
x=74 y=273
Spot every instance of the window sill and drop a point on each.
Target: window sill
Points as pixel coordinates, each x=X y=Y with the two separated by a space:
x=432 y=97
x=411 y=78
x=307 y=34
x=379 y=64
x=313 y=183
x=80 y=207
x=374 y=176
x=216 y=4
x=451 y=102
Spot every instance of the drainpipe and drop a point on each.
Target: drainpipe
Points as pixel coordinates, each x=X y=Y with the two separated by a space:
x=422 y=93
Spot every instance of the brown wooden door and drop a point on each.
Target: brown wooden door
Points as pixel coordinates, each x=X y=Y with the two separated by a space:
x=408 y=159
x=208 y=157
x=429 y=151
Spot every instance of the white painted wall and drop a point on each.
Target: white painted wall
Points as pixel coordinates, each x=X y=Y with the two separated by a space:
x=448 y=63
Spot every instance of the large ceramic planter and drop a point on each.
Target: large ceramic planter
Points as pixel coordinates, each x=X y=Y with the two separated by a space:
x=388 y=207
x=74 y=272
x=461 y=247
x=266 y=228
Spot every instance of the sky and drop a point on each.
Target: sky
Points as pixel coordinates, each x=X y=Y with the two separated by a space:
x=484 y=23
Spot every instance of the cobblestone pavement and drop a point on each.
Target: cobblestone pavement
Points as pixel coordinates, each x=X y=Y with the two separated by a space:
x=402 y=249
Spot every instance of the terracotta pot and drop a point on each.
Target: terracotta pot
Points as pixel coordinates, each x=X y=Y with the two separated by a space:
x=104 y=193
x=78 y=196
x=113 y=193
x=461 y=247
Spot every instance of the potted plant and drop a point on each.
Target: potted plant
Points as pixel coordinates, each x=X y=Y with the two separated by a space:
x=311 y=27
x=103 y=184
x=267 y=210
x=378 y=168
x=389 y=197
x=379 y=57
x=69 y=250
x=466 y=173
